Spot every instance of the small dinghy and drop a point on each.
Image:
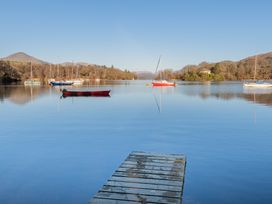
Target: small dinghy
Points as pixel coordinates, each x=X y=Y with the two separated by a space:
x=105 y=93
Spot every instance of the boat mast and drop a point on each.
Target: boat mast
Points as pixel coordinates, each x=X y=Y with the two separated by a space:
x=31 y=75
x=58 y=71
x=72 y=75
x=50 y=72
x=255 y=68
x=161 y=72
x=158 y=66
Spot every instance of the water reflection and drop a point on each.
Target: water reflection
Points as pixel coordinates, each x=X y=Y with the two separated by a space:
x=228 y=91
x=158 y=95
x=21 y=95
x=79 y=142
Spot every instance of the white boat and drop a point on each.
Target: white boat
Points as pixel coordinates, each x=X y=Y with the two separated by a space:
x=50 y=79
x=76 y=81
x=258 y=83
x=31 y=81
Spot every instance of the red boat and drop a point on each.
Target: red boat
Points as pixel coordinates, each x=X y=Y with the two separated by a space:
x=66 y=93
x=163 y=83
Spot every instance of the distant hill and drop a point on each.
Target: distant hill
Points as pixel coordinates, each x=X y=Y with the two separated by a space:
x=261 y=58
x=23 y=57
x=229 y=70
x=76 y=64
x=145 y=75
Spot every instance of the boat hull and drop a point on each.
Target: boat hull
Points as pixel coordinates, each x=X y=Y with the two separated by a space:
x=163 y=84
x=61 y=83
x=76 y=81
x=105 y=93
x=32 y=83
x=256 y=85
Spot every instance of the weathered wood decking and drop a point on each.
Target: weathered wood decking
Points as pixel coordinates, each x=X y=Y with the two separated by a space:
x=145 y=178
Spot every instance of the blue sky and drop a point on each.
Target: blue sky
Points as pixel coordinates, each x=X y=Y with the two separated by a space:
x=131 y=34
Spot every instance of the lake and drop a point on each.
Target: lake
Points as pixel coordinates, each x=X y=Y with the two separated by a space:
x=62 y=150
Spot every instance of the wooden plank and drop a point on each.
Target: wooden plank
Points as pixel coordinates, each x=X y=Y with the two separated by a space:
x=156 y=161
x=165 y=169
x=145 y=178
x=110 y=201
x=150 y=187
x=144 y=186
x=155 y=157
x=137 y=198
x=121 y=189
x=148 y=176
x=158 y=154
x=146 y=181
x=151 y=167
x=154 y=164
x=147 y=171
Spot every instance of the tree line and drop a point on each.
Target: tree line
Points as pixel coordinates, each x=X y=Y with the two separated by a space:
x=225 y=70
x=17 y=71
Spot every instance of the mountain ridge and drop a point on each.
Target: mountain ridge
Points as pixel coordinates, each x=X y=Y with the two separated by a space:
x=144 y=75
x=23 y=57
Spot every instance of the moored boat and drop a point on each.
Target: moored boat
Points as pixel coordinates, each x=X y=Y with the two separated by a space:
x=100 y=93
x=257 y=84
x=163 y=83
x=61 y=83
x=76 y=81
x=32 y=82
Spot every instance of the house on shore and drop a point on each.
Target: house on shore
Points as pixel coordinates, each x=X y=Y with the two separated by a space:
x=204 y=71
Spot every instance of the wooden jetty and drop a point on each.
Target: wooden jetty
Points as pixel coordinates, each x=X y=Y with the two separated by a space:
x=145 y=178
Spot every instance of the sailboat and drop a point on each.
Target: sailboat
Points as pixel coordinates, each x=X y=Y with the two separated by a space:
x=50 y=79
x=31 y=81
x=77 y=80
x=161 y=82
x=60 y=82
x=257 y=83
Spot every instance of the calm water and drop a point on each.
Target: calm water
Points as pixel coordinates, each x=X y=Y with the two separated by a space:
x=56 y=150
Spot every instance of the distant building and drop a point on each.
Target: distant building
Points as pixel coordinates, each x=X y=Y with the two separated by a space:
x=204 y=71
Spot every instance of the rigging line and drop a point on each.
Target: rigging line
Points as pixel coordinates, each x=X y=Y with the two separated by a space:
x=156 y=101
x=158 y=64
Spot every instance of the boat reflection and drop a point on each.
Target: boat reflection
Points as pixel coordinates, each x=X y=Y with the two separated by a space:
x=21 y=95
x=228 y=91
x=158 y=93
